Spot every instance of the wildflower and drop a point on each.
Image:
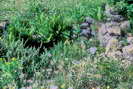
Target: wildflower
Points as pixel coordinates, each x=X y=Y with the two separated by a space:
x=63 y=86
x=53 y=87
x=14 y=59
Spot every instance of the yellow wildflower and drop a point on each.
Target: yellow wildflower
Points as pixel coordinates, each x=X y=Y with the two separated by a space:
x=8 y=63
x=62 y=86
x=14 y=59
x=1 y=59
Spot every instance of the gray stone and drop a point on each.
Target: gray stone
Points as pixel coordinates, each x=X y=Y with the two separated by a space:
x=108 y=9
x=86 y=32
x=92 y=50
x=112 y=45
x=93 y=33
x=114 y=30
x=117 y=18
x=111 y=24
x=84 y=25
x=89 y=20
x=115 y=54
x=128 y=52
x=102 y=30
x=112 y=14
x=4 y=24
x=130 y=40
x=125 y=25
x=104 y=39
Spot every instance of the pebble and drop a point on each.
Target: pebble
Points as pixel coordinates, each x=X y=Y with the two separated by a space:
x=84 y=25
x=86 y=32
x=89 y=20
x=92 y=50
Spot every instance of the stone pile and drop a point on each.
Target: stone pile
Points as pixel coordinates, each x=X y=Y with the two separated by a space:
x=111 y=33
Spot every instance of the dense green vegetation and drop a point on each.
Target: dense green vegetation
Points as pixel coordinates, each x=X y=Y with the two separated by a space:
x=65 y=64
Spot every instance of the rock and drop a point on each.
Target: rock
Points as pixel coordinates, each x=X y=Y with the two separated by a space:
x=115 y=54
x=107 y=31
x=4 y=24
x=117 y=18
x=114 y=31
x=108 y=9
x=111 y=24
x=112 y=14
x=128 y=52
x=104 y=39
x=89 y=20
x=130 y=40
x=112 y=45
x=125 y=25
x=54 y=87
x=129 y=35
x=92 y=50
x=102 y=30
x=93 y=33
x=86 y=32
x=84 y=25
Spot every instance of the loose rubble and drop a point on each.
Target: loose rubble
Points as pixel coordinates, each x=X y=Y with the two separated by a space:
x=110 y=35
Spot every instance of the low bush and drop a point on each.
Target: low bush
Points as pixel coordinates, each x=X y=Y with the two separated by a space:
x=45 y=23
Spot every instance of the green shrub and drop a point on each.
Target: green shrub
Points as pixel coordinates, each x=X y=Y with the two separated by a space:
x=53 y=22
x=9 y=71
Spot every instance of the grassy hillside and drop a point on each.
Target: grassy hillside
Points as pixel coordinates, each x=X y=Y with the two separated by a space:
x=37 y=50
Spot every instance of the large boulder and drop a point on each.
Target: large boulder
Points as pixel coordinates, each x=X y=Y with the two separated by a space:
x=108 y=31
